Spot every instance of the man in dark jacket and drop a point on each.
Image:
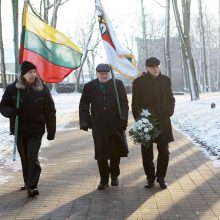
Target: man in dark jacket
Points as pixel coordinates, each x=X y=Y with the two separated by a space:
x=153 y=91
x=98 y=110
x=36 y=109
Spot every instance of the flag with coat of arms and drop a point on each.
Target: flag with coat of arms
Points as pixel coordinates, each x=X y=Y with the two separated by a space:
x=121 y=60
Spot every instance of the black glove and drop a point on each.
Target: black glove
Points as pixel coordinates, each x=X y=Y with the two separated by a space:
x=50 y=137
x=124 y=124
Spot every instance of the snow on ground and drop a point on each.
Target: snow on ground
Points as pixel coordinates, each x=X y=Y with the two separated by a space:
x=199 y=122
x=196 y=120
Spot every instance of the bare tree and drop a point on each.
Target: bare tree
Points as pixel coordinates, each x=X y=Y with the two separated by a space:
x=129 y=43
x=185 y=42
x=15 y=23
x=143 y=24
x=184 y=69
x=167 y=40
x=47 y=5
x=92 y=57
x=155 y=30
x=85 y=43
x=218 y=78
x=206 y=80
x=3 y=76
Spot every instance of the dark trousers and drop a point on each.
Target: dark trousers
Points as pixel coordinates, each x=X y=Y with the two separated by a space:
x=28 y=149
x=106 y=168
x=162 y=160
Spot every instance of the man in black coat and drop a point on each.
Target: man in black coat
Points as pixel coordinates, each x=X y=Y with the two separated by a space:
x=153 y=91
x=36 y=109
x=98 y=110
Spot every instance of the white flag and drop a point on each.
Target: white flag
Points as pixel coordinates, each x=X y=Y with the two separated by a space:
x=118 y=57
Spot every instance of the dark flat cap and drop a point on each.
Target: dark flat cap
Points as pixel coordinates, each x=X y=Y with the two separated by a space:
x=103 y=67
x=152 y=61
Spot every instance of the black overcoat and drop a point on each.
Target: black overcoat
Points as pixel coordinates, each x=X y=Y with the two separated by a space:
x=155 y=94
x=98 y=110
x=36 y=108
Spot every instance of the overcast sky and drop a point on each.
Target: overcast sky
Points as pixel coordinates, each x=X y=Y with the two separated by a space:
x=122 y=13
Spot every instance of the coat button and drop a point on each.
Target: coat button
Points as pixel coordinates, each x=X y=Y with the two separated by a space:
x=104 y=108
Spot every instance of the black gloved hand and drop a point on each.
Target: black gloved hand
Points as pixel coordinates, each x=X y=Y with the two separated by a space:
x=50 y=137
x=124 y=124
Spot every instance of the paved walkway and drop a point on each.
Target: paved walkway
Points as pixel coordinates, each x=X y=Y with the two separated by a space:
x=70 y=177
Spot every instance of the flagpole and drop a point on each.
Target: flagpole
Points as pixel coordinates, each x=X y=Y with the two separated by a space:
x=119 y=108
x=18 y=98
x=116 y=93
x=16 y=125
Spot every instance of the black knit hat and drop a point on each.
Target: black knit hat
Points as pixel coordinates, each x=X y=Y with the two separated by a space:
x=26 y=66
x=152 y=61
x=102 y=67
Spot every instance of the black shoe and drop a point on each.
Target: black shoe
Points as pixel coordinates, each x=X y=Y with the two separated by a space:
x=149 y=184
x=23 y=187
x=114 y=181
x=33 y=192
x=102 y=186
x=162 y=183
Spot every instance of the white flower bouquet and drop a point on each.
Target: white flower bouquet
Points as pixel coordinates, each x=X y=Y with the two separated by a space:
x=145 y=130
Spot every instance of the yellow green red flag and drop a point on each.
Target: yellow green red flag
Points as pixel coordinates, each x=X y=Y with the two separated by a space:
x=54 y=54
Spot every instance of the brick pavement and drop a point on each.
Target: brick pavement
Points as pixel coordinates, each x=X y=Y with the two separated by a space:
x=70 y=177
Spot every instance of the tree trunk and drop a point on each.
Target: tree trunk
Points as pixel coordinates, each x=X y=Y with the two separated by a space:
x=85 y=53
x=185 y=40
x=55 y=10
x=46 y=8
x=218 y=76
x=167 y=40
x=53 y=24
x=15 y=23
x=206 y=79
x=145 y=54
x=184 y=69
x=3 y=76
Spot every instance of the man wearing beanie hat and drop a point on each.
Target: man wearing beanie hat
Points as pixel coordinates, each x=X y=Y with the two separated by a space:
x=153 y=91
x=26 y=66
x=98 y=110
x=35 y=112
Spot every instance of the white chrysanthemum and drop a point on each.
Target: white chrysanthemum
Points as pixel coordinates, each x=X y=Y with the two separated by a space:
x=146 y=130
x=145 y=113
x=139 y=125
x=145 y=120
x=150 y=126
x=147 y=137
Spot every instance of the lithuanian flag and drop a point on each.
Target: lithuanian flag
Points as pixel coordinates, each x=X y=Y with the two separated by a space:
x=54 y=54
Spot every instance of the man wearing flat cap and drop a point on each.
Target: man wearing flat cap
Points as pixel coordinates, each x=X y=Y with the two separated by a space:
x=35 y=111
x=153 y=91
x=98 y=110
